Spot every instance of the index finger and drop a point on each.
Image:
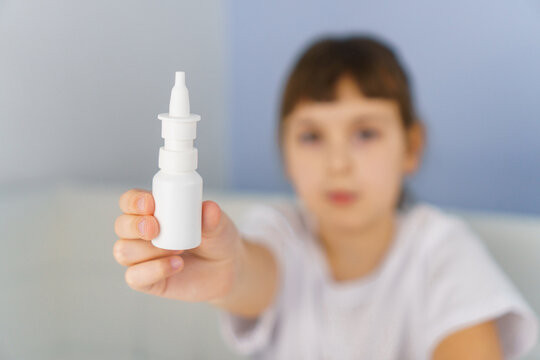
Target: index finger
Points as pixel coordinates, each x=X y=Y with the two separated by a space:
x=137 y=202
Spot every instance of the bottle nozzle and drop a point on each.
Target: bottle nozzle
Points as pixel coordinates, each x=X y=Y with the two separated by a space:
x=179 y=104
x=180 y=78
x=179 y=129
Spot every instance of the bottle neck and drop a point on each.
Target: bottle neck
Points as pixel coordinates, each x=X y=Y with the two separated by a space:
x=177 y=161
x=178 y=153
x=178 y=145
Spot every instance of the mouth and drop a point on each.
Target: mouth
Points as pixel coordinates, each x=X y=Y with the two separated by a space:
x=342 y=197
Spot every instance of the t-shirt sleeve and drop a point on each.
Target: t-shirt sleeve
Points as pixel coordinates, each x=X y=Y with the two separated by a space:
x=465 y=286
x=262 y=224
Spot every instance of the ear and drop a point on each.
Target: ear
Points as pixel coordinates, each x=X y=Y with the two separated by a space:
x=415 y=138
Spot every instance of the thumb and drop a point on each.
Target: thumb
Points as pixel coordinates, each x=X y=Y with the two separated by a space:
x=211 y=218
x=218 y=233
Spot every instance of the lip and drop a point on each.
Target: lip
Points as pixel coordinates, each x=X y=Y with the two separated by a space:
x=341 y=197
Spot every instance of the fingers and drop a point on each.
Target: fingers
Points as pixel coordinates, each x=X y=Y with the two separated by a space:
x=129 y=252
x=142 y=276
x=137 y=202
x=148 y=266
x=144 y=227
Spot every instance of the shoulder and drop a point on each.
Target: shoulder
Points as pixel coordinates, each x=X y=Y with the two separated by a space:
x=433 y=229
x=449 y=251
x=432 y=217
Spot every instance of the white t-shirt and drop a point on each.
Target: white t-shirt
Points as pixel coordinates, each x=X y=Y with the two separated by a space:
x=437 y=277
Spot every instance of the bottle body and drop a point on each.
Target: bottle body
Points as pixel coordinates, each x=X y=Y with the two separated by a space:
x=178 y=209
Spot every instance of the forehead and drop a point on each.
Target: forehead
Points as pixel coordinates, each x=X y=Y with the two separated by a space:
x=349 y=106
x=345 y=111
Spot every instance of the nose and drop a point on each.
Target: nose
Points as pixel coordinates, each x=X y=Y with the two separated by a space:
x=339 y=159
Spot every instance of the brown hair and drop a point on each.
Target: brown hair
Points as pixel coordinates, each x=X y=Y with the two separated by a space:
x=370 y=62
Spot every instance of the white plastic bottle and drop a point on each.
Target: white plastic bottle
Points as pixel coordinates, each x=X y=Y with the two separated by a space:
x=177 y=187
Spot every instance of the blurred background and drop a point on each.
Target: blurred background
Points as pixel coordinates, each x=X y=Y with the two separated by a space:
x=81 y=84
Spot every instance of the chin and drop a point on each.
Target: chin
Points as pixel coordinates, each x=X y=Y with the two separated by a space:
x=349 y=221
x=345 y=218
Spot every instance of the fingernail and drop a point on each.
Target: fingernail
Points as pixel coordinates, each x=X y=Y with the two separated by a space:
x=176 y=262
x=142 y=226
x=140 y=203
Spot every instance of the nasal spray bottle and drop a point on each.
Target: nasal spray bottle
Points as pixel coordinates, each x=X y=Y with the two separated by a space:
x=177 y=187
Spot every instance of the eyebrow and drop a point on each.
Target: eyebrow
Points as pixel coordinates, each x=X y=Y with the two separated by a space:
x=358 y=119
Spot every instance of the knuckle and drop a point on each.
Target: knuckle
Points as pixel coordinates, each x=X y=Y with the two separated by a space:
x=117 y=227
x=124 y=198
x=129 y=279
x=119 y=252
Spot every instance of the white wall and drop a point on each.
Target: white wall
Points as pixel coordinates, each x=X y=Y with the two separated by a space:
x=82 y=82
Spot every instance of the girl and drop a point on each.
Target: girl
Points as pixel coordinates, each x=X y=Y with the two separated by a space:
x=352 y=268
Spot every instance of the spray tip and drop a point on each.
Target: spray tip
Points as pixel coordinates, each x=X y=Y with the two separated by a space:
x=179 y=104
x=180 y=78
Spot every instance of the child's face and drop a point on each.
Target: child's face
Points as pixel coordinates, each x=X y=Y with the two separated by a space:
x=353 y=144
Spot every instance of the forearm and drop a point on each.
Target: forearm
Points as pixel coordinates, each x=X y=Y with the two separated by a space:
x=255 y=283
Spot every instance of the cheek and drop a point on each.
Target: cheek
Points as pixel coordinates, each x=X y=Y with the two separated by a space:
x=380 y=169
x=305 y=171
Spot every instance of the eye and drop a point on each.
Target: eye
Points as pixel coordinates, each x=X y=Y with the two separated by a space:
x=309 y=137
x=367 y=134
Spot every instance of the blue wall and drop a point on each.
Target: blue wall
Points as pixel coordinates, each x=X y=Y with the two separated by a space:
x=475 y=67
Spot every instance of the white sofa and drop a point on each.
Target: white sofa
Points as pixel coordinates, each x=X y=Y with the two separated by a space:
x=63 y=295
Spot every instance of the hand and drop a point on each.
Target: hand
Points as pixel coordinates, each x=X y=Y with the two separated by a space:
x=204 y=273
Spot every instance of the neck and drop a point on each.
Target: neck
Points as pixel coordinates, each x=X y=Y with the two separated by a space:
x=352 y=253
